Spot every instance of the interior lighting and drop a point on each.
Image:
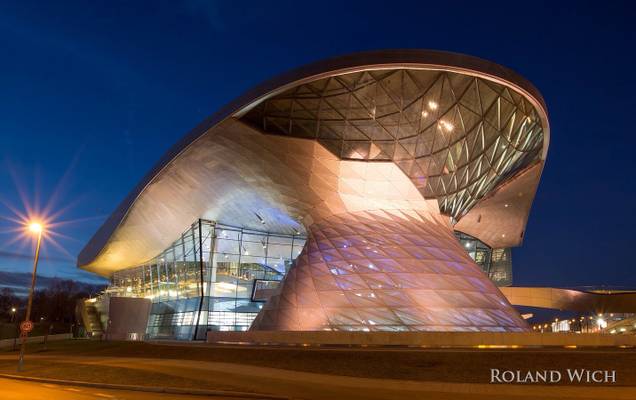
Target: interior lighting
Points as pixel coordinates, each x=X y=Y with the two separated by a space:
x=446 y=126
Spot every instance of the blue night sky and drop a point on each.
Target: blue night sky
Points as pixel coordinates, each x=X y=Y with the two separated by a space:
x=93 y=93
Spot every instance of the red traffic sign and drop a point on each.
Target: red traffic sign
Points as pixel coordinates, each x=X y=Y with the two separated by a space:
x=26 y=326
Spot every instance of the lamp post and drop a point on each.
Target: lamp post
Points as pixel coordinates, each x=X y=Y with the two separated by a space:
x=35 y=228
x=15 y=338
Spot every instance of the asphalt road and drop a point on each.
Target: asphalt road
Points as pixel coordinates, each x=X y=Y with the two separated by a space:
x=294 y=384
x=22 y=390
x=312 y=373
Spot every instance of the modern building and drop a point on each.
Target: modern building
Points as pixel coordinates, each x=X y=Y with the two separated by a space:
x=378 y=191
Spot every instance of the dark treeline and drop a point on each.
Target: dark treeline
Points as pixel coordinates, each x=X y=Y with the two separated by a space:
x=56 y=303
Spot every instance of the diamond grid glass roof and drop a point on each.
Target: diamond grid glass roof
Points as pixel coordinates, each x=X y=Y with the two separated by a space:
x=456 y=136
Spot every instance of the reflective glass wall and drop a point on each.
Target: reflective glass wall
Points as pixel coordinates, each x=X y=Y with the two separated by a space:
x=224 y=286
x=496 y=263
x=221 y=287
x=501 y=267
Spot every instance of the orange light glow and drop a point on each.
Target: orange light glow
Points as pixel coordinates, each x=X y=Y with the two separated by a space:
x=35 y=227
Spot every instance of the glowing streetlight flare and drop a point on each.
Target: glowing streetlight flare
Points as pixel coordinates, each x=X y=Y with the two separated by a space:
x=35 y=227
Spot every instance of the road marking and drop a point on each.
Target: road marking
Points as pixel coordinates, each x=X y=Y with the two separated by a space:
x=104 y=395
x=72 y=389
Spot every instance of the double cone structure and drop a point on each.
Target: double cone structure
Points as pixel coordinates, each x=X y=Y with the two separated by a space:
x=387 y=271
x=378 y=157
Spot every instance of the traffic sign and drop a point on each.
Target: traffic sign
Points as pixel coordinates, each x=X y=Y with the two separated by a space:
x=26 y=326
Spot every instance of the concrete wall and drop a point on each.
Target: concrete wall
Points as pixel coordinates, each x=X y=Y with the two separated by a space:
x=422 y=339
x=127 y=318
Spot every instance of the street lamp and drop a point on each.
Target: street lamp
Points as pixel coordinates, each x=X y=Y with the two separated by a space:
x=37 y=229
x=13 y=310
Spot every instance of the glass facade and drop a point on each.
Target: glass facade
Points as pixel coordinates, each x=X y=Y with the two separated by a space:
x=224 y=286
x=496 y=263
x=501 y=267
x=220 y=288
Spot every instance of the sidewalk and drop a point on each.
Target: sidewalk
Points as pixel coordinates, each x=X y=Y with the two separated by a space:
x=150 y=389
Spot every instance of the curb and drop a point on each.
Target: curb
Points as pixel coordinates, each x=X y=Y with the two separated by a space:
x=152 y=389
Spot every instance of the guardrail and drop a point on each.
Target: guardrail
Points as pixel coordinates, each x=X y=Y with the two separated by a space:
x=424 y=339
x=35 y=339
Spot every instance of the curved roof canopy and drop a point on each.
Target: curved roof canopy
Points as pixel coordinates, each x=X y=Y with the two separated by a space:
x=467 y=132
